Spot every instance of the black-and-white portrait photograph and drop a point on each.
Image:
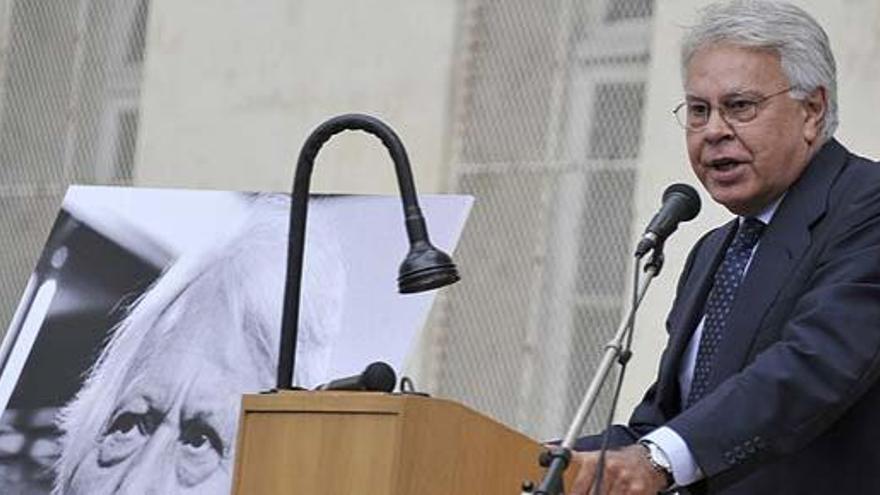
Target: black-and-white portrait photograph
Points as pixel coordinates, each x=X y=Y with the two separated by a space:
x=150 y=311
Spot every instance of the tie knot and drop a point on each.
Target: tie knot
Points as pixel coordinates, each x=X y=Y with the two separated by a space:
x=749 y=232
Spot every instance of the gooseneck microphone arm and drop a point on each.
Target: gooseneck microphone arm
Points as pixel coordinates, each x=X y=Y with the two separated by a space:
x=425 y=267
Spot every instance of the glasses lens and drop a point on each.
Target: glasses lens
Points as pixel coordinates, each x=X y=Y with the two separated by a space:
x=692 y=116
x=741 y=110
x=680 y=113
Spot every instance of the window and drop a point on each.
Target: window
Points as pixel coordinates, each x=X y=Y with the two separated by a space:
x=547 y=134
x=617 y=111
x=619 y=10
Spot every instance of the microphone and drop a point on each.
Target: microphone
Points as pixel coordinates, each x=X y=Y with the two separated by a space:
x=377 y=377
x=680 y=204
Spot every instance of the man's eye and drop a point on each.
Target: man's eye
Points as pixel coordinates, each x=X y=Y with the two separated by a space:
x=699 y=110
x=739 y=105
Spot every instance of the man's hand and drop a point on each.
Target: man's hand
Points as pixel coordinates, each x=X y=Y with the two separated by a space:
x=627 y=472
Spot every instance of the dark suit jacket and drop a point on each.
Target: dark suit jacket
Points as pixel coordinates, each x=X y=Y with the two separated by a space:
x=795 y=400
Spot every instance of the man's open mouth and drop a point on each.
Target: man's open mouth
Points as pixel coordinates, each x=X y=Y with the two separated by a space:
x=724 y=164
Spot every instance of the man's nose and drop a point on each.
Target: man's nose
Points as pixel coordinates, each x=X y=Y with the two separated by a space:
x=153 y=472
x=717 y=128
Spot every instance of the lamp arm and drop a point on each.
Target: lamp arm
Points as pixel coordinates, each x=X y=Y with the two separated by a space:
x=415 y=223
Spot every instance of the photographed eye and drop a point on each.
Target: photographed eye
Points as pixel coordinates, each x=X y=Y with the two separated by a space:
x=127 y=432
x=126 y=423
x=202 y=450
x=197 y=435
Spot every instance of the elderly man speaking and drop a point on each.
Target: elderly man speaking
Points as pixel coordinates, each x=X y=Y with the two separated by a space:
x=769 y=381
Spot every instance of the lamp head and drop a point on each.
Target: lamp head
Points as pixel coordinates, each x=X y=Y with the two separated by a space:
x=425 y=268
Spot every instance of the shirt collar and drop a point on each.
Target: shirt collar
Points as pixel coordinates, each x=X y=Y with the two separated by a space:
x=766 y=215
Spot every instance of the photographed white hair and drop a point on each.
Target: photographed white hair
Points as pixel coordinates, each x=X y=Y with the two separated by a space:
x=802 y=45
x=242 y=273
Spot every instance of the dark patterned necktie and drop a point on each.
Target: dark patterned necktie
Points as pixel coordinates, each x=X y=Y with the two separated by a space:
x=727 y=280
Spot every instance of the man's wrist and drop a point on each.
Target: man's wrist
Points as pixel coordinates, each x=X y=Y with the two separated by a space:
x=659 y=461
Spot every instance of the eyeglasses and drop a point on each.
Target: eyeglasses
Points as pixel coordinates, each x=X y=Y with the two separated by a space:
x=735 y=109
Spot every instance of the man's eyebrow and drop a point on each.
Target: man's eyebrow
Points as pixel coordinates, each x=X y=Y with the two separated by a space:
x=744 y=92
x=751 y=92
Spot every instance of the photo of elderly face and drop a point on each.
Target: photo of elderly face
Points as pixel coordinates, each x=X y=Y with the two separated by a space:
x=150 y=312
x=158 y=412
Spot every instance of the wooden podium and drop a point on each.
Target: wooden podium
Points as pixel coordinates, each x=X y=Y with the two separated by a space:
x=343 y=443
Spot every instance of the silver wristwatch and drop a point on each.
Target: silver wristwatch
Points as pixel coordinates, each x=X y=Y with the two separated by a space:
x=659 y=461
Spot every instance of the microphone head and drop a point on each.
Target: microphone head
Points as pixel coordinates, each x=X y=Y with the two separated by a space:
x=688 y=198
x=425 y=268
x=379 y=377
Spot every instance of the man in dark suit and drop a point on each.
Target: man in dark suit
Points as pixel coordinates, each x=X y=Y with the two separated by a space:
x=769 y=381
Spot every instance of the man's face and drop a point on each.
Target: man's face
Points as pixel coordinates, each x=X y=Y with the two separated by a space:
x=746 y=166
x=173 y=425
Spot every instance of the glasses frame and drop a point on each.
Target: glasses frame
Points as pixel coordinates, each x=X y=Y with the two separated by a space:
x=756 y=104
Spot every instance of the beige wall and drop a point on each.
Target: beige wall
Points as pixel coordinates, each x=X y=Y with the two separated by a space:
x=233 y=87
x=852 y=26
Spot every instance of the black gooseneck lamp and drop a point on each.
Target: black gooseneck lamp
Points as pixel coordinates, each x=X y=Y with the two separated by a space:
x=423 y=269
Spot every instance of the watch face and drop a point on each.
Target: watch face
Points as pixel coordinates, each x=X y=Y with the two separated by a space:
x=659 y=457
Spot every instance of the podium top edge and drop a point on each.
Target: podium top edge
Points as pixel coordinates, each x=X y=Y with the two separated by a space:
x=328 y=401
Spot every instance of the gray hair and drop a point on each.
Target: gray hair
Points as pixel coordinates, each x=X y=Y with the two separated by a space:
x=801 y=43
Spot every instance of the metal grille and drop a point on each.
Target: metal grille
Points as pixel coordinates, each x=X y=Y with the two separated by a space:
x=70 y=77
x=546 y=134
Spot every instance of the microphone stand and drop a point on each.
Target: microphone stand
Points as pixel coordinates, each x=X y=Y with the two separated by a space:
x=557 y=459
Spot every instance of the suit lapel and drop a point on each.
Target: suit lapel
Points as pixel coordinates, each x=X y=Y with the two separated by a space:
x=781 y=247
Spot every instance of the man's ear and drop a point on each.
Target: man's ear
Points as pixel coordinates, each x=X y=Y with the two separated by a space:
x=815 y=108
